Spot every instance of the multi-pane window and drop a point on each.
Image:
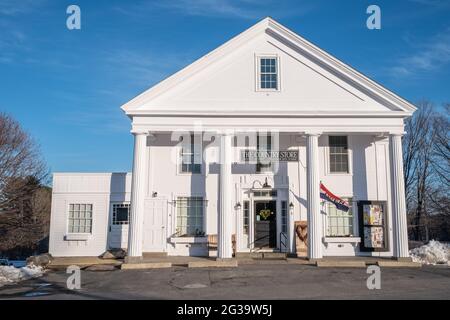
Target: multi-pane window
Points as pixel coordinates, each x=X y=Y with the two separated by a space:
x=80 y=218
x=268 y=73
x=271 y=193
x=263 y=144
x=190 y=216
x=121 y=213
x=338 y=154
x=340 y=223
x=284 y=216
x=191 y=160
x=246 y=216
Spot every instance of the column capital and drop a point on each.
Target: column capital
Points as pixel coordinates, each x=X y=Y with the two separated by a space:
x=138 y=132
x=397 y=133
x=226 y=133
x=313 y=133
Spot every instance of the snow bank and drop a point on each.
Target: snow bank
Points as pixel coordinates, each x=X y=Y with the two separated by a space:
x=9 y=274
x=434 y=252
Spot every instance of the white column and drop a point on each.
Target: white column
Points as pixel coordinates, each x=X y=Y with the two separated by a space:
x=313 y=195
x=398 y=198
x=224 y=247
x=137 y=198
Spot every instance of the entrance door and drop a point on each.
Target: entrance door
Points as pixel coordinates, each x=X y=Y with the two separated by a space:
x=118 y=228
x=265 y=224
x=155 y=212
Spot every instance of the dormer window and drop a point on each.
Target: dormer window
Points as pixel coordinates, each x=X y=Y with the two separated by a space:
x=268 y=75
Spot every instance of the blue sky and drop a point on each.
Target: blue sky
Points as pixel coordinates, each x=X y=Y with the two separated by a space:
x=66 y=87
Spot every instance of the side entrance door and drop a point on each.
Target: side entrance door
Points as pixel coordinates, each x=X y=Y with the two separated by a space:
x=265 y=224
x=118 y=225
x=154 y=233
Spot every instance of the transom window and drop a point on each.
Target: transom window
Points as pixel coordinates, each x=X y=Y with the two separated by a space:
x=191 y=156
x=338 y=154
x=80 y=218
x=268 y=73
x=340 y=223
x=270 y=193
x=190 y=216
x=121 y=213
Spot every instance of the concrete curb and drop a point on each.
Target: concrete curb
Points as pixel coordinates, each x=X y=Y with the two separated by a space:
x=399 y=264
x=341 y=264
x=82 y=263
x=213 y=263
x=149 y=265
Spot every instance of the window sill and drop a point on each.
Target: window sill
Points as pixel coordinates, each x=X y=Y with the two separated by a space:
x=77 y=236
x=352 y=240
x=339 y=174
x=189 y=240
x=179 y=173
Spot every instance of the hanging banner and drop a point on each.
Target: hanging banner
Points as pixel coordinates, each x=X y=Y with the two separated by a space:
x=326 y=195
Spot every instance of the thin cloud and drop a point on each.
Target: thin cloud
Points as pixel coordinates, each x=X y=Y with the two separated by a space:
x=241 y=9
x=213 y=8
x=143 y=68
x=433 y=3
x=15 y=7
x=428 y=58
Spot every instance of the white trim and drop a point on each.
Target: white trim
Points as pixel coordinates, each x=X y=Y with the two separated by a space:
x=258 y=58
x=273 y=28
x=68 y=203
x=189 y=239
x=354 y=240
x=327 y=155
x=77 y=236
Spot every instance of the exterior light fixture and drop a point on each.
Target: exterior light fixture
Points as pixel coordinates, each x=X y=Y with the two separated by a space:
x=291 y=208
x=266 y=185
x=237 y=206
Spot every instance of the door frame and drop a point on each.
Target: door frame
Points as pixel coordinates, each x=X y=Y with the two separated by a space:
x=164 y=223
x=252 y=214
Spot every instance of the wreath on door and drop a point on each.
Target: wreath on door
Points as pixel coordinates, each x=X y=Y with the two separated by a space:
x=265 y=213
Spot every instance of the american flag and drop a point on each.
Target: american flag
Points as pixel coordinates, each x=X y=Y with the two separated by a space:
x=326 y=195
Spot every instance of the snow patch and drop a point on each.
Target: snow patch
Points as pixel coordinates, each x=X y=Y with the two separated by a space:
x=10 y=274
x=434 y=252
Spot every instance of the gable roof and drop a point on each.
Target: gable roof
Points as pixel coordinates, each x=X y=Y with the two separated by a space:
x=398 y=105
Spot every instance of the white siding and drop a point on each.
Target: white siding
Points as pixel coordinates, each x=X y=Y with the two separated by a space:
x=367 y=180
x=97 y=189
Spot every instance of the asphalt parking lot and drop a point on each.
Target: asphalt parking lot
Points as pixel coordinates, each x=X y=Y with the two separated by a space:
x=245 y=282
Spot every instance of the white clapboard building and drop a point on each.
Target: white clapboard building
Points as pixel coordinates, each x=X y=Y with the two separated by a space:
x=229 y=156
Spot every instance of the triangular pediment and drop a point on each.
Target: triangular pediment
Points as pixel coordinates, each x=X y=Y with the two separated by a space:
x=225 y=81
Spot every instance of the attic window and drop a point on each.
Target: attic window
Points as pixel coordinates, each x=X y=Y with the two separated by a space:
x=268 y=77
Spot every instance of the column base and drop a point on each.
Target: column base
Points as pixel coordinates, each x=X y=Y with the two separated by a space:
x=135 y=259
x=402 y=259
x=224 y=259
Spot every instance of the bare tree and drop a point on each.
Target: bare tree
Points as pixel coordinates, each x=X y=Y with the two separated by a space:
x=426 y=154
x=23 y=175
x=417 y=146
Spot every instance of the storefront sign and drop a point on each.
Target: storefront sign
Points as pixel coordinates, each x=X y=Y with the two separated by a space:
x=254 y=156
